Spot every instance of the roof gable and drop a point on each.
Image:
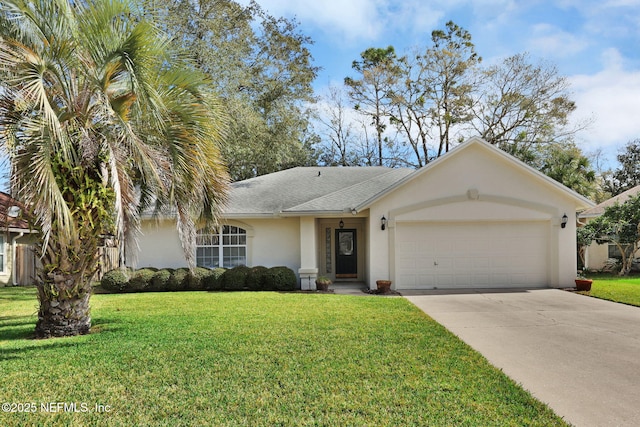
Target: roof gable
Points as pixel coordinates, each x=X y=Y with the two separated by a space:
x=580 y=201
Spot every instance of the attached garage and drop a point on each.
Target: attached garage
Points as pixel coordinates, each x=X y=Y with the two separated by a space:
x=432 y=255
x=474 y=218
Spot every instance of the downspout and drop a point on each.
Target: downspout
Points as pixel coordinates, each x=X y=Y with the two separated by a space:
x=13 y=258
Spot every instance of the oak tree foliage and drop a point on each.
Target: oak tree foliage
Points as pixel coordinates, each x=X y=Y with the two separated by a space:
x=262 y=69
x=627 y=175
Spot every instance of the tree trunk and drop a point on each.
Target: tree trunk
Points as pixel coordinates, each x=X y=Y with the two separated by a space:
x=64 y=307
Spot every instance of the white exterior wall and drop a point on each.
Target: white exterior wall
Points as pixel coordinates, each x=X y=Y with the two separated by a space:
x=159 y=246
x=596 y=256
x=475 y=185
x=378 y=255
x=308 y=271
x=276 y=242
x=270 y=243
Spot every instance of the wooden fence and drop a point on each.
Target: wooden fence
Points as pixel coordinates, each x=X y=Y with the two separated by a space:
x=27 y=262
x=108 y=261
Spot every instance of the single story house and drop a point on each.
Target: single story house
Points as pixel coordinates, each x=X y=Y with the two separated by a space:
x=476 y=217
x=16 y=256
x=595 y=255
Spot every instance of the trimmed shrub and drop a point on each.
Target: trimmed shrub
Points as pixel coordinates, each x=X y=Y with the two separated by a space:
x=255 y=278
x=235 y=278
x=115 y=280
x=177 y=280
x=141 y=280
x=195 y=278
x=167 y=279
x=212 y=282
x=280 y=279
x=160 y=280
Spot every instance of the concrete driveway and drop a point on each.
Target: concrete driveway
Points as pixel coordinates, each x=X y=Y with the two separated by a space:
x=579 y=355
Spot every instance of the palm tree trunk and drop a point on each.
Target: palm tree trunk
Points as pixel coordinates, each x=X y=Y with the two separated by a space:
x=64 y=307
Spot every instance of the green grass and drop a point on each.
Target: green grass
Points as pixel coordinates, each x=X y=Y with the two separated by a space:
x=619 y=289
x=259 y=359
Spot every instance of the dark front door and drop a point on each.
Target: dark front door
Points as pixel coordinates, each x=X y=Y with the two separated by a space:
x=346 y=254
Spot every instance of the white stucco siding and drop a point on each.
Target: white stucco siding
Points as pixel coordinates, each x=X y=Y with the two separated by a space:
x=158 y=246
x=270 y=243
x=596 y=256
x=276 y=242
x=476 y=186
x=471 y=210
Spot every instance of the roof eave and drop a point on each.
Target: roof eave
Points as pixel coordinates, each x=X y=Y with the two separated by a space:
x=318 y=213
x=589 y=215
x=21 y=230
x=245 y=215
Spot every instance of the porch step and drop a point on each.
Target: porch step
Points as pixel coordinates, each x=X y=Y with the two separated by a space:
x=349 y=288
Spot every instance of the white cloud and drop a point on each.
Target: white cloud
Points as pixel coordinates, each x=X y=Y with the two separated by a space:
x=551 y=42
x=612 y=96
x=352 y=21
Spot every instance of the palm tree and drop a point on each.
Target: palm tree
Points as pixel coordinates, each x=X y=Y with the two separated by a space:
x=101 y=120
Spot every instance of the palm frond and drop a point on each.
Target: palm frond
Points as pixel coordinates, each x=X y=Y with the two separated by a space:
x=90 y=88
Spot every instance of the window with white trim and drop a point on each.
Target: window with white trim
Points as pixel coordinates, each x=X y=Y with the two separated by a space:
x=226 y=249
x=614 y=250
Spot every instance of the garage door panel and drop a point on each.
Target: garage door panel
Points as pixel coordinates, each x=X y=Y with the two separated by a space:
x=445 y=264
x=480 y=280
x=500 y=262
x=407 y=264
x=426 y=248
x=463 y=280
x=460 y=255
x=407 y=247
x=483 y=263
x=445 y=280
x=500 y=280
x=409 y=281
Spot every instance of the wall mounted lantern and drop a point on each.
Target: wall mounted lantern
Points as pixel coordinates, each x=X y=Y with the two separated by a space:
x=341 y=224
x=383 y=223
x=564 y=220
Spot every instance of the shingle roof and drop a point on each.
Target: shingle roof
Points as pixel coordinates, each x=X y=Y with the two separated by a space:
x=620 y=198
x=310 y=190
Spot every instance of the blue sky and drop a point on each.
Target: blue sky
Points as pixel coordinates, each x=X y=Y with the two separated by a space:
x=594 y=43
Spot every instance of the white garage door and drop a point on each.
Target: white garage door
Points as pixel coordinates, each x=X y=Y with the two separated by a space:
x=471 y=255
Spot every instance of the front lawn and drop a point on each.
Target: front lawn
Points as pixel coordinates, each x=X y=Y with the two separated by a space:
x=618 y=289
x=259 y=359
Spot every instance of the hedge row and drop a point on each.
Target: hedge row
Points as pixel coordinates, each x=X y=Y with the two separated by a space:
x=167 y=279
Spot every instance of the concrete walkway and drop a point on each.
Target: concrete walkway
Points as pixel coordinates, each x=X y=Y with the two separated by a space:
x=579 y=355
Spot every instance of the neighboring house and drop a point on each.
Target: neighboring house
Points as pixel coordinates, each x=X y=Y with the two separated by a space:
x=476 y=217
x=16 y=255
x=595 y=255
